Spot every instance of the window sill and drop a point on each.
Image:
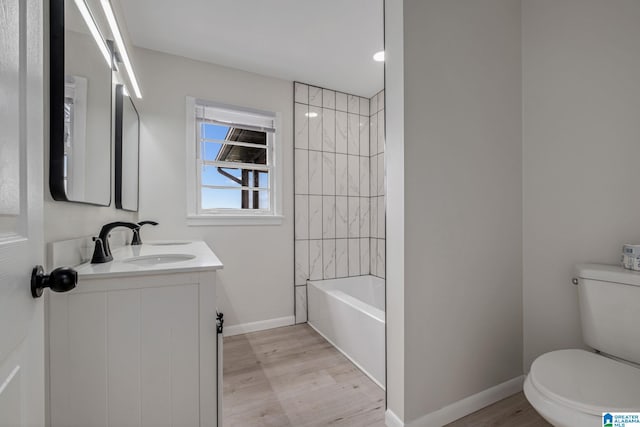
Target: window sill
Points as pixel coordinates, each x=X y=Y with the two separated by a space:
x=204 y=220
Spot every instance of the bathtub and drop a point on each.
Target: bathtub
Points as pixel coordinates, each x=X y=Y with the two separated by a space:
x=349 y=313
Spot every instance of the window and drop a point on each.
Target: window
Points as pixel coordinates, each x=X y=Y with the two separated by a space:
x=233 y=173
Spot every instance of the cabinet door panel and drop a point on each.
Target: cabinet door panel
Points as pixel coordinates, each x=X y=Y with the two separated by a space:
x=123 y=337
x=169 y=356
x=125 y=358
x=87 y=360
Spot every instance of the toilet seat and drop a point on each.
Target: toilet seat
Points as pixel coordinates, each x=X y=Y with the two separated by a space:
x=574 y=387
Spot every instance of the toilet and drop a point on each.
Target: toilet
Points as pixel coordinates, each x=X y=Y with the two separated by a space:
x=574 y=388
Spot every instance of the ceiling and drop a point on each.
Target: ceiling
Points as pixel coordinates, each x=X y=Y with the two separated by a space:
x=329 y=43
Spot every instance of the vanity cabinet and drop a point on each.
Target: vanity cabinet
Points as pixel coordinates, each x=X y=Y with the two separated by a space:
x=138 y=350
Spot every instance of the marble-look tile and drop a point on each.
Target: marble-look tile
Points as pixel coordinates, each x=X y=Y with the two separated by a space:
x=373 y=105
x=373 y=256
x=342 y=175
x=353 y=104
x=315 y=259
x=329 y=258
x=364 y=107
x=315 y=96
x=365 y=225
x=315 y=128
x=328 y=130
x=341 y=101
x=373 y=176
x=342 y=217
x=364 y=136
x=353 y=134
x=302 y=217
x=381 y=218
x=301 y=126
x=381 y=131
x=342 y=258
x=328 y=217
x=301 y=92
x=381 y=259
x=354 y=217
x=302 y=262
x=328 y=174
x=373 y=135
x=301 y=304
x=381 y=100
x=302 y=171
x=365 y=256
x=354 y=257
x=364 y=176
x=315 y=217
x=341 y=132
x=353 y=175
x=373 y=214
x=315 y=172
x=380 y=175
x=328 y=99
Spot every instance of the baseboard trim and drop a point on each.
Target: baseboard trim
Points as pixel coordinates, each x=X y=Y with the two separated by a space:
x=461 y=408
x=392 y=420
x=244 y=328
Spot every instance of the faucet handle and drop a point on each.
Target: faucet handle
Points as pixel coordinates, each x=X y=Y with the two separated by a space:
x=141 y=223
x=136 y=240
x=99 y=254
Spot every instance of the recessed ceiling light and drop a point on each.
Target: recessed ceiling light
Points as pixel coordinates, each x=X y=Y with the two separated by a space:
x=379 y=56
x=311 y=115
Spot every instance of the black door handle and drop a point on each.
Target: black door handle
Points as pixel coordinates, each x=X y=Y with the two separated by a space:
x=61 y=279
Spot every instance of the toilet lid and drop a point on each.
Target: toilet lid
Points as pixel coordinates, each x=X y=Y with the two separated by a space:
x=586 y=381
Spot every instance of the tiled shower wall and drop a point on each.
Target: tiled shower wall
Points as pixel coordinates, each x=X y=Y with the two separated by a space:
x=339 y=187
x=377 y=185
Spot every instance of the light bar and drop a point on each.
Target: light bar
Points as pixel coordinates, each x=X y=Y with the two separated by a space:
x=93 y=28
x=111 y=18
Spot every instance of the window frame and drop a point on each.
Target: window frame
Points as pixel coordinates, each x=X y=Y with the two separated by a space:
x=195 y=214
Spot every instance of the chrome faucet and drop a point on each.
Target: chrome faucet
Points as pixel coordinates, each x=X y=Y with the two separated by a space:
x=102 y=251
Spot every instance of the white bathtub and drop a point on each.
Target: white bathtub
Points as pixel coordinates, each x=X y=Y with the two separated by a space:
x=349 y=313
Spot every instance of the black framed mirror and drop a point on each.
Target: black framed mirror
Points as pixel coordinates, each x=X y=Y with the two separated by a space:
x=127 y=152
x=80 y=106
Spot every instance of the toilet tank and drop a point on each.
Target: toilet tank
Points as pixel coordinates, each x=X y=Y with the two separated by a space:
x=609 y=298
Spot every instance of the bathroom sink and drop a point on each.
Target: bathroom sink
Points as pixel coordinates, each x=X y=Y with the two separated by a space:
x=149 y=260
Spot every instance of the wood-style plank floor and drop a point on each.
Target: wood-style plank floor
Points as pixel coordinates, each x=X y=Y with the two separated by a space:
x=293 y=377
x=514 y=411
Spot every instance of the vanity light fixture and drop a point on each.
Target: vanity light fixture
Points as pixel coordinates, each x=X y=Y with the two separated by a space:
x=311 y=115
x=113 y=24
x=379 y=56
x=93 y=28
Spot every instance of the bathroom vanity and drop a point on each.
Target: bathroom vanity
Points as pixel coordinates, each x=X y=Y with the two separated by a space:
x=136 y=343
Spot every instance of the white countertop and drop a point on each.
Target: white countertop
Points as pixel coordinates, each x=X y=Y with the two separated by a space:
x=204 y=260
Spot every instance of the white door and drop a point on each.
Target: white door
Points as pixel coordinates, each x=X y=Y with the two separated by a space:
x=22 y=387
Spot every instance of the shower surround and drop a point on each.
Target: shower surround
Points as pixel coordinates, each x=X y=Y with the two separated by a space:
x=339 y=187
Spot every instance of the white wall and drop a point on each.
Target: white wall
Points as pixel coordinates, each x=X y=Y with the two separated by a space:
x=257 y=281
x=394 y=164
x=462 y=200
x=581 y=136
